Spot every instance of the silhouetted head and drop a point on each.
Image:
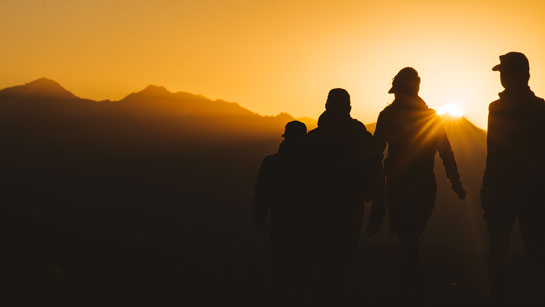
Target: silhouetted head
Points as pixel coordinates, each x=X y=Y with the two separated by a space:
x=338 y=102
x=295 y=130
x=406 y=82
x=514 y=70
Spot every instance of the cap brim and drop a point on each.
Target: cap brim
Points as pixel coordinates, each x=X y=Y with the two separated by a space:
x=497 y=67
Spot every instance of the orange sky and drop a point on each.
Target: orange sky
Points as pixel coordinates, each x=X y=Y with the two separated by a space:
x=273 y=56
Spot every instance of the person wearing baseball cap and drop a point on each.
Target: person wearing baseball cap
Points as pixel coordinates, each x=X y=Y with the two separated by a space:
x=406 y=81
x=295 y=129
x=280 y=198
x=513 y=183
x=513 y=62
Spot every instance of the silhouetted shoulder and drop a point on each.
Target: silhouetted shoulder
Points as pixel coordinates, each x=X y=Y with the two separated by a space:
x=541 y=103
x=360 y=126
x=541 y=109
x=385 y=114
x=386 y=110
x=313 y=132
x=494 y=105
x=313 y=138
x=270 y=161
x=432 y=113
x=392 y=110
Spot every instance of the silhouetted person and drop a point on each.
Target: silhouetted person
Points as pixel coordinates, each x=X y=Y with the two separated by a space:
x=343 y=161
x=514 y=180
x=413 y=133
x=280 y=195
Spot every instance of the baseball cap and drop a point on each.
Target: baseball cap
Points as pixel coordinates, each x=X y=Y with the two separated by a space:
x=295 y=129
x=406 y=78
x=512 y=61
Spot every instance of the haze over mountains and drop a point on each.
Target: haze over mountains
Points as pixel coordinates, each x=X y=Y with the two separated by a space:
x=166 y=168
x=157 y=148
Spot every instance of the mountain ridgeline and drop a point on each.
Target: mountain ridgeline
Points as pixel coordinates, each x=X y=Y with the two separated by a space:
x=157 y=151
x=167 y=168
x=120 y=168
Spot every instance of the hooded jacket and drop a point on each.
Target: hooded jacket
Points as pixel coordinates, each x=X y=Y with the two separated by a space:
x=413 y=133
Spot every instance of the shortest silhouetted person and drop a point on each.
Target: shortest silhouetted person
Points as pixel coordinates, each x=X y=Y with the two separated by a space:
x=280 y=202
x=514 y=180
x=413 y=133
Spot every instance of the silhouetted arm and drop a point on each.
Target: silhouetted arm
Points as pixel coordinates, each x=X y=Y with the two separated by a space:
x=380 y=136
x=378 y=211
x=447 y=156
x=372 y=160
x=493 y=148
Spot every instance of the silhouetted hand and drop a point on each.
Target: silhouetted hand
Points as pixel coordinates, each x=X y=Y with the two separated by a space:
x=459 y=190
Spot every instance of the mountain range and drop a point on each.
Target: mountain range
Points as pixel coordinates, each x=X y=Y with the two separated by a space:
x=155 y=144
x=153 y=192
x=158 y=168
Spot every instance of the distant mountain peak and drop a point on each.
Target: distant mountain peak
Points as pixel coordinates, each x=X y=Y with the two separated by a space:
x=284 y=116
x=447 y=116
x=452 y=122
x=155 y=90
x=150 y=93
x=45 y=87
x=152 y=98
x=450 y=118
x=44 y=81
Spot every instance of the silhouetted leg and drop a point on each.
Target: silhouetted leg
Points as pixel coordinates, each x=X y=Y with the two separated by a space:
x=297 y=289
x=281 y=272
x=499 y=240
x=534 y=247
x=296 y=274
x=303 y=271
x=331 y=277
x=533 y=234
x=302 y=260
x=334 y=265
x=411 y=269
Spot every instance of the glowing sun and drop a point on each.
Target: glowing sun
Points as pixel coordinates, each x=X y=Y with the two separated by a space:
x=451 y=110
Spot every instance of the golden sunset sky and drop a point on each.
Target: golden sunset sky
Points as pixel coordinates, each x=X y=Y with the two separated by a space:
x=273 y=56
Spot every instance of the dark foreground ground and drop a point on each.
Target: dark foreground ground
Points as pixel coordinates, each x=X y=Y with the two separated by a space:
x=44 y=262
